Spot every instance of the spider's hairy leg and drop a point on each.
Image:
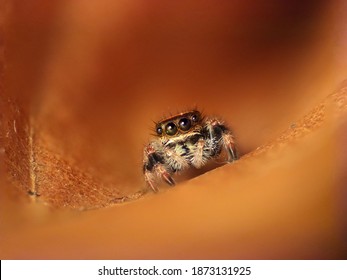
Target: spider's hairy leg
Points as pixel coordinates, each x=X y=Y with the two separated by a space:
x=154 y=167
x=164 y=174
x=150 y=180
x=222 y=133
x=229 y=145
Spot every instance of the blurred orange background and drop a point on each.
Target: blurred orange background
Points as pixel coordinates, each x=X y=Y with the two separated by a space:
x=82 y=83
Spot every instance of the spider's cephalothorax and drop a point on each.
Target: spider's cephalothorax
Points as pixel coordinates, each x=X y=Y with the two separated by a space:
x=187 y=139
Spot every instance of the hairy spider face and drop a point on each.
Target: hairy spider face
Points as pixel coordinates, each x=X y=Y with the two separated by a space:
x=183 y=141
x=179 y=124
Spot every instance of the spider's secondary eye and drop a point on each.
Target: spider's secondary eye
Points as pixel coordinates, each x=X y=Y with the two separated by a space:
x=171 y=129
x=159 y=130
x=195 y=118
x=184 y=124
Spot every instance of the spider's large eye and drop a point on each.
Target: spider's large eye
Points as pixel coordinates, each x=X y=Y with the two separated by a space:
x=159 y=130
x=171 y=129
x=184 y=124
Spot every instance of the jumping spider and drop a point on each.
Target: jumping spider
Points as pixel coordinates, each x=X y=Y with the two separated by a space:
x=184 y=140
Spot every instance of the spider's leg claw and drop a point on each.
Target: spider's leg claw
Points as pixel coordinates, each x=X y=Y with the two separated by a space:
x=153 y=187
x=149 y=178
x=168 y=179
x=232 y=155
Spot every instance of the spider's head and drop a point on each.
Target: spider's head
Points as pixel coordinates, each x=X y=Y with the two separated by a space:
x=178 y=124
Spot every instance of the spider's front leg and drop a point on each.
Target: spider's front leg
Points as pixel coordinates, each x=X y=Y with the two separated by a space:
x=154 y=167
x=222 y=134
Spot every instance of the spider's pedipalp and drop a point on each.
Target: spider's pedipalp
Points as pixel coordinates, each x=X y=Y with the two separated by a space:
x=174 y=155
x=198 y=154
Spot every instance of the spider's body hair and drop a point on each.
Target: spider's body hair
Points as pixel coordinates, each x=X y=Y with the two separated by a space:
x=169 y=154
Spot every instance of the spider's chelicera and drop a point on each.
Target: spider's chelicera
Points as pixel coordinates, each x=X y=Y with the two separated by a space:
x=185 y=140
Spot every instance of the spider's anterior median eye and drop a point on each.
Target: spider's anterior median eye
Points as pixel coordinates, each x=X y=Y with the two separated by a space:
x=159 y=130
x=185 y=124
x=171 y=129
